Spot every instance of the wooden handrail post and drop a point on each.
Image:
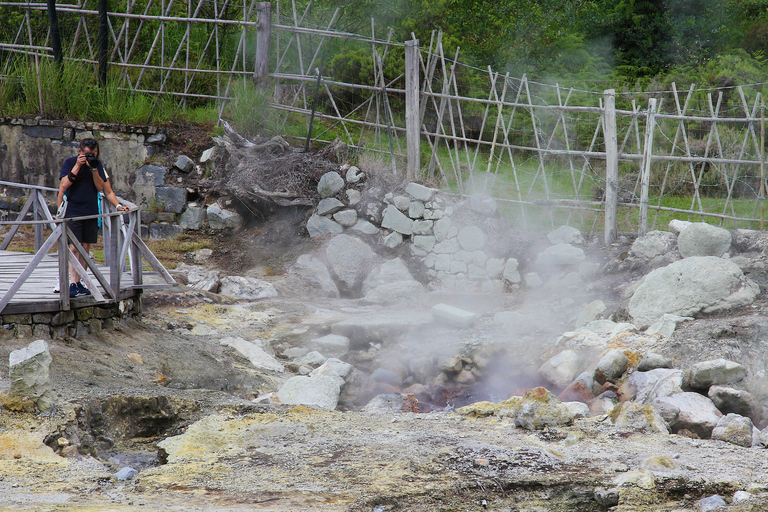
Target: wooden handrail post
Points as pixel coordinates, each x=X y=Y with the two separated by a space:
x=136 y=262
x=114 y=250
x=645 y=171
x=412 y=109
x=263 y=37
x=63 y=269
x=611 y=165
x=37 y=215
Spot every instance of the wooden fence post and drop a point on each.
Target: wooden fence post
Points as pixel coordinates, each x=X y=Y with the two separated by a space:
x=412 y=109
x=611 y=165
x=263 y=37
x=650 y=126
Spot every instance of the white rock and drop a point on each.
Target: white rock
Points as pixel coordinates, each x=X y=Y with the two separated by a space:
x=247 y=288
x=354 y=175
x=319 y=391
x=402 y=293
x=494 y=267
x=349 y=260
x=645 y=387
x=419 y=192
x=318 y=226
x=578 y=409
x=393 y=240
x=389 y=271
x=565 y=235
x=425 y=242
x=329 y=206
x=341 y=368
x=735 y=429
x=560 y=255
x=29 y=374
x=590 y=312
x=562 y=368
x=416 y=209
x=677 y=226
x=666 y=325
x=330 y=184
x=653 y=244
x=363 y=226
x=716 y=372
x=454 y=316
x=396 y=221
x=442 y=228
x=331 y=345
x=449 y=246
x=401 y=203
x=259 y=358
x=690 y=411
x=702 y=239
x=471 y=238
x=353 y=196
x=219 y=218
x=422 y=227
x=315 y=273
x=347 y=218
x=510 y=271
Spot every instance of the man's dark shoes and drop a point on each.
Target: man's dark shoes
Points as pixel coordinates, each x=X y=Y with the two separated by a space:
x=82 y=289
x=74 y=291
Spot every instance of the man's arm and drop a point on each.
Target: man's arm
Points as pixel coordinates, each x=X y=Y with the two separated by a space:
x=111 y=197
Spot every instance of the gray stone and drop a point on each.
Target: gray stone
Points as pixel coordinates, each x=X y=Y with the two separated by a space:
x=365 y=227
x=347 y=218
x=442 y=262
x=562 y=368
x=476 y=273
x=387 y=377
x=164 y=231
x=425 y=242
x=416 y=210
x=393 y=240
x=311 y=358
x=396 y=221
x=494 y=267
x=730 y=400
x=379 y=327
x=471 y=238
x=590 y=312
x=690 y=411
x=318 y=226
x=565 y=235
x=578 y=409
x=588 y=268
x=742 y=496
x=454 y=316
x=652 y=361
x=207 y=154
x=329 y=206
x=699 y=284
x=419 y=192
x=193 y=217
x=330 y=184
x=716 y=372
x=247 y=288
x=449 y=246
x=402 y=203
x=209 y=283
x=392 y=403
x=126 y=473
x=711 y=503
x=295 y=352
x=422 y=227
x=540 y=409
x=152 y=173
x=339 y=367
x=646 y=386
x=483 y=205
x=388 y=272
x=702 y=239
x=638 y=417
x=315 y=273
x=220 y=218
x=184 y=164
x=611 y=366
x=258 y=357
x=510 y=273
x=666 y=325
x=653 y=244
x=319 y=391
x=403 y=293
x=353 y=196
x=533 y=281
x=331 y=345
x=560 y=255
x=735 y=429
x=29 y=374
x=353 y=174
x=349 y=260
x=677 y=226
x=171 y=199
x=443 y=228
x=44 y=132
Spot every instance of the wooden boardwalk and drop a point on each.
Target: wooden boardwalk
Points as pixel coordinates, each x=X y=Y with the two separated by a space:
x=37 y=295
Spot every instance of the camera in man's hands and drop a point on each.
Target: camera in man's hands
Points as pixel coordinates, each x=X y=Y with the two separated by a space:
x=91 y=160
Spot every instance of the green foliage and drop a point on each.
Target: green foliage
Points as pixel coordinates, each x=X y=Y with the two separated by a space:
x=249 y=109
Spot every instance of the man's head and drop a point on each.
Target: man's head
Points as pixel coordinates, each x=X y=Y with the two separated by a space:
x=89 y=146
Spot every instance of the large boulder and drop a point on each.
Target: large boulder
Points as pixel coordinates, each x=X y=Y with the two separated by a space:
x=319 y=391
x=699 y=284
x=689 y=411
x=645 y=387
x=390 y=271
x=318 y=225
x=702 y=239
x=541 y=409
x=653 y=244
x=565 y=235
x=642 y=418
x=247 y=288
x=716 y=372
x=611 y=366
x=314 y=274
x=349 y=260
x=562 y=368
x=734 y=429
x=730 y=400
x=402 y=293
x=29 y=373
x=560 y=255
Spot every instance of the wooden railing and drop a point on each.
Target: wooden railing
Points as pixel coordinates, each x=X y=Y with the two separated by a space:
x=123 y=249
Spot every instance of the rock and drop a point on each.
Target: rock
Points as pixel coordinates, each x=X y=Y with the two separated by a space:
x=259 y=358
x=126 y=473
x=29 y=374
x=677 y=226
x=401 y=203
x=354 y=175
x=699 y=284
x=193 y=217
x=210 y=282
x=578 y=409
x=312 y=358
x=471 y=238
x=689 y=411
x=422 y=227
x=365 y=227
x=346 y=218
x=416 y=209
x=339 y=367
x=735 y=429
x=638 y=417
x=349 y=260
x=577 y=391
x=659 y=463
x=742 y=496
x=646 y=386
x=419 y=192
x=711 y=503
x=387 y=377
x=611 y=366
x=164 y=231
x=219 y=218
x=561 y=369
x=393 y=240
x=443 y=229
x=319 y=391
x=653 y=244
x=295 y=352
x=454 y=316
x=588 y=268
x=318 y=226
x=392 y=403
x=702 y=239
x=184 y=164
x=715 y=372
x=590 y=312
x=315 y=273
x=450 y=246
x=152 y=173
x=607 y=497
x=494 y=268
x=207 y=154
x=388 y=272
x=560 y=255
x=379 y=327
x=247 y=288
x=541 y=409
x=171 y=199
x=533 y=281
x=330 y=184
x=395 y=220
x=398 y=293
x=329 y=206
x=652 y=361
x=331 y=345
x=729 y=400
x=353 y=196
x=666 y=325
x=565 y=235
x=425 y=242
